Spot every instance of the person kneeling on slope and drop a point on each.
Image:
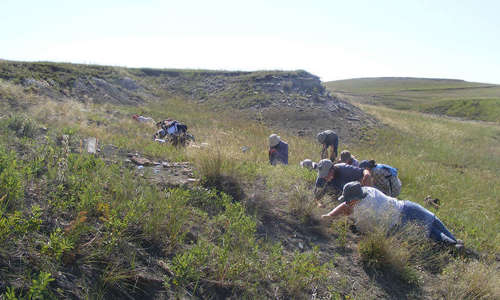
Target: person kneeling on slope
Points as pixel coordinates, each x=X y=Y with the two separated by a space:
x=332 y=178
x=364 y=202
x=278 y=150
x=385 y=177
x=347 y=158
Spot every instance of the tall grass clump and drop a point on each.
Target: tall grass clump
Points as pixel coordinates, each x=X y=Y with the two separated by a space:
x=400 y=254
x=469 y=280
x=301 y=204
x=219 y=172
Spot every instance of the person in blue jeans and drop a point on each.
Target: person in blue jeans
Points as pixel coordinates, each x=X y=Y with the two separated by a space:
x=363 y=202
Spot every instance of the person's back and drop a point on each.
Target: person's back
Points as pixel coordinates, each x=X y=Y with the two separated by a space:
x=385 y=178
x=377 y=209
x=278 y=150
x=345 y=173
x=328 y=138
x=279 y=153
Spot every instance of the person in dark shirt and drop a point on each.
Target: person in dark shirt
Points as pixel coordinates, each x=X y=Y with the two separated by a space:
x=328 y=138
x=278 y=150
x=332 y=178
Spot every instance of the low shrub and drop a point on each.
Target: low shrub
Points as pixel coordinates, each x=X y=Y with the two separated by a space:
x=209 y=201
x=11 y=180
x=22 y=126
x=38 y=290
x=57 y=245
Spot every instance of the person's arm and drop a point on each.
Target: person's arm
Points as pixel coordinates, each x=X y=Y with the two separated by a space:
x=367 y=179
x=324 y=152
x=319 y=192
x=273 y=153
x=342 y=209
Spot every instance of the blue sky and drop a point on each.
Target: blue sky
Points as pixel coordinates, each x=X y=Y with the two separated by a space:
x=332 y=39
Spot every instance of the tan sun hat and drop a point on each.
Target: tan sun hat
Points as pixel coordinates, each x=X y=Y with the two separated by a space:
x=274 y=140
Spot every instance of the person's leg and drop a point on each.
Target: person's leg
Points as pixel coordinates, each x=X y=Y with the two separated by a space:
x=333 y=156
x=324 y=151
x=440 y=233
x=416 y=214
x=335 y=147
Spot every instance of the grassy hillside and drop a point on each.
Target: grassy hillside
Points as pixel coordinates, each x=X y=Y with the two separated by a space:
x=277 y=98
x=74 y=225
x=455 y=98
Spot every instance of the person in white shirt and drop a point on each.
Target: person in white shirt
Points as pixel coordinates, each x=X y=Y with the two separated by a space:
x=364 y=202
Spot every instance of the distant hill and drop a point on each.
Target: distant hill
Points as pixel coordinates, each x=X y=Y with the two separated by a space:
x=295 y=101
x=455 y=98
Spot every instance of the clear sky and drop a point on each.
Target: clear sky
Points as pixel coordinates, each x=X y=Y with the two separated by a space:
x=332 y=39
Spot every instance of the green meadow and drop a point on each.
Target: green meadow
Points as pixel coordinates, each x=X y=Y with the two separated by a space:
x=454 y=98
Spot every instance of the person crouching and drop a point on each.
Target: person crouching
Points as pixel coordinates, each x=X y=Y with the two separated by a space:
x=278 y=150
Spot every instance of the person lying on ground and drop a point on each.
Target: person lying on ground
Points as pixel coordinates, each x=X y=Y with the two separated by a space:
x=384 y=177
x=308 y=164
x=368 y=202
x=332 y=178
x=278 y=150
x=348 y=159
x=328 y=138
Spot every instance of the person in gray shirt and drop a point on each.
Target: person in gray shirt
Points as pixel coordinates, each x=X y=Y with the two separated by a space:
x=328 y=138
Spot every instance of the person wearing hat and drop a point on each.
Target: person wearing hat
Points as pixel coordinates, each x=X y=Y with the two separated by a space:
x=365 y=202
x=347 y=158
x=308 y=164
x=384 y=177
x=278 y=150
x=332 y=178
x=328 y=138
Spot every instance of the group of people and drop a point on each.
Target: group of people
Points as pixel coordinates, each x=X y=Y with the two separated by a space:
x=366 y=189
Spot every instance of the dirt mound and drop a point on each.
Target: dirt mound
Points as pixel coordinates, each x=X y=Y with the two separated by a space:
x=295 y=101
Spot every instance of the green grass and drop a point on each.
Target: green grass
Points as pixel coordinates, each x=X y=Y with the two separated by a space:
x=472 y=109
x=74 y=210
x=455 y=98
x=394 y=84
x=441 y=158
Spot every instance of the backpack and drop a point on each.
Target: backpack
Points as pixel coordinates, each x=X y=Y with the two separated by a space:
x=181 y=127
x=394 y=184
x=392 y=170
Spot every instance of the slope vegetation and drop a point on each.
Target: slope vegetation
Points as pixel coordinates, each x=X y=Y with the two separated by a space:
x=211 y=221
x=455 y=98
